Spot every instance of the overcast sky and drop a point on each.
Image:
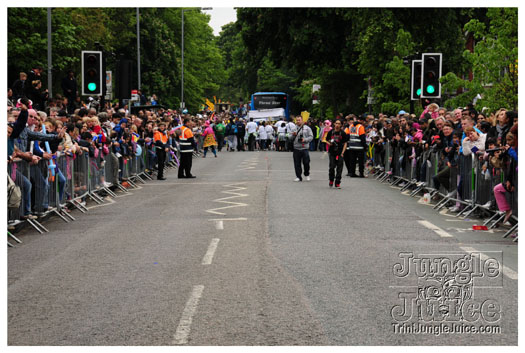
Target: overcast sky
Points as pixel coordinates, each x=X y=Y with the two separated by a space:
x=221 y=16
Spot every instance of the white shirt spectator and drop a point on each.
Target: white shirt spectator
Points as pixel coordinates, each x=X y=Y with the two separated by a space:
x=251 y=127
x=269 y=131
x=262 y=133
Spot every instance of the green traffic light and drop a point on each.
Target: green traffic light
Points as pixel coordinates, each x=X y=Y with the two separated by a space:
x=92 y=86
x=418 y=92
x=430 y=89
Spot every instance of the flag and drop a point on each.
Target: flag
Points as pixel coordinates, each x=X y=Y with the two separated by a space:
x=210 y=104
x=305 y=116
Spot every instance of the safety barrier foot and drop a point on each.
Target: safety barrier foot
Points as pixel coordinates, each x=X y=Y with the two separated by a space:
x=60 y=215
x=147 y=176
x=140 y=179
x=516 y=239
x=37 y=225
x=466 y=208
x=10 y=245
x=447 y=200
x=407 y=185
x=511 y=230
x=493 y=225
x=439 y=205
x=417 y=190
x=132 y=184
x=119 y=185
x=68 y=215
x=109 y=191
x=79 y=206
x=471 y=211
x=95 y=198
x=491 y=218
x=9 y=234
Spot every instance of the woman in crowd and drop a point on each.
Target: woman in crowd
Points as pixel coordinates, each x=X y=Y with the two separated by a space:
x=209 y=139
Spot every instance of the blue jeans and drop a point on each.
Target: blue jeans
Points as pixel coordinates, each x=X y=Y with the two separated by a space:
x=41 y=187
x=26 y=191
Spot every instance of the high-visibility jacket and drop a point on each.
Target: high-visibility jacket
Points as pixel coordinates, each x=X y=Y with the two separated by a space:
x=186 y=145
x=160 y=138
x=354 y=132
x=317 y=129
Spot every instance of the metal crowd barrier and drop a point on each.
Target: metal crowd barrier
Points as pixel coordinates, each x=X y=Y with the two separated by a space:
x=471 y=185
x=76 y=178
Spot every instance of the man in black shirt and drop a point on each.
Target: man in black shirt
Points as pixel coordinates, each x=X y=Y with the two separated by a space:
x=337 y=140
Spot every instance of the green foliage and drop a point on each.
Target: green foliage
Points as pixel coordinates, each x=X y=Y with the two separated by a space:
x=77 y=29
x=493 y=63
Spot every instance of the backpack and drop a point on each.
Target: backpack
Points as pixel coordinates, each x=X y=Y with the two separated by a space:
x=14 y=194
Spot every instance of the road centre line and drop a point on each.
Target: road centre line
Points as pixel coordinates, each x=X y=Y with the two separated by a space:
x=506 y=271
x=208 y=258
x=435 y=228
x=184 y=327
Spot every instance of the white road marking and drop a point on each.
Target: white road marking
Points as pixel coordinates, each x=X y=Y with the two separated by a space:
x=225 y=199
x=228 y=219
x=435 y=228
x=207 y=259
x=506 y=271
x=219 y=224
x=184 y=328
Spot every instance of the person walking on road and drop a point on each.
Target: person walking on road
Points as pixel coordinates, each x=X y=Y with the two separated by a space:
x=301 y=137
x=251 y=129
x=187 y=143
x=241 y=131
x=209 y=139
x=161 y=147
x=231 y=135
x=336 y=140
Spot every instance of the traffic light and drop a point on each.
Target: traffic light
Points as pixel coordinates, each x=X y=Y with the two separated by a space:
x=431 y=73
x=415 y=82
x=92 y=73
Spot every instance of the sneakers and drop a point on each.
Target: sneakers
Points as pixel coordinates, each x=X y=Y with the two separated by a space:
x=297 y=179
x=330 y=183
x=29 y=216
x=308 y=178
x=455 y=209
x=106 y=184
x=338 y=186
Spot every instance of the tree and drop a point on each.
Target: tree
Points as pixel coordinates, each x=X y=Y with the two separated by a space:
x=493 y=63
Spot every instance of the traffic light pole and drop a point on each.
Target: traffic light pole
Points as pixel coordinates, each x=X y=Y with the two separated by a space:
x=103 y=58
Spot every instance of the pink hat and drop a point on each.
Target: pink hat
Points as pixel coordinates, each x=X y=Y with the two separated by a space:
x=416 y=125
x=328 y=122
x=207 y=123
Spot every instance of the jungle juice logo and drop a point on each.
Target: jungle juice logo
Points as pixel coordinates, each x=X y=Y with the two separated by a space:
x=440 y=289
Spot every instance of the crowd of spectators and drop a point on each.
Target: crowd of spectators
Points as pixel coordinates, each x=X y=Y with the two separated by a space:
x=42 y=128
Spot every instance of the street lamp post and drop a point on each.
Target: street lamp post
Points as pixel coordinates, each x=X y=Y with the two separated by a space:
x=182 y=104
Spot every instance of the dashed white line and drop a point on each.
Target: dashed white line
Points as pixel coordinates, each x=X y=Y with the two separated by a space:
x=435 y=228
x=219 y=224
x=184 y=328
x=207 y=259
x=506 y=271
x=228 y=219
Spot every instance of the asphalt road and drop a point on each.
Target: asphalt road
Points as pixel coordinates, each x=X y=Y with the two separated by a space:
x=243 y=255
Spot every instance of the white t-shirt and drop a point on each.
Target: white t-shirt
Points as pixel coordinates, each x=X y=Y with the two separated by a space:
x=269 y=130
x=251 y=127
x=262 y=133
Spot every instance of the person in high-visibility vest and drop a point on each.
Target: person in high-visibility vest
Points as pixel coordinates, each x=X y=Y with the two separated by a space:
x=355 y=150
x=186 y=142
x=161 y=148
